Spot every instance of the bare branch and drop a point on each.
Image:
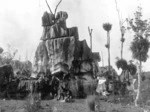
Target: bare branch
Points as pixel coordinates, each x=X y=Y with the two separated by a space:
x=124 y=22
x=90 y=31
x=118 y=13
x=48 y=7
x=57 y=6
x=88 y=28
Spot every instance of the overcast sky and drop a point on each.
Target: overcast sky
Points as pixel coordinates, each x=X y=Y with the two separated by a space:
x=20 y=24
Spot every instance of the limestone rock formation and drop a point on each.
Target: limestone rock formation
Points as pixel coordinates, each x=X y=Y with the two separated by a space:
x=60 y=49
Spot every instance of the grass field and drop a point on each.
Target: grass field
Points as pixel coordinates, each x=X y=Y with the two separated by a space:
x=77 y=106
x=81 y=105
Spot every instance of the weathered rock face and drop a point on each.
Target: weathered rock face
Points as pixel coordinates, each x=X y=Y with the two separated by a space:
x=41 y=57
x=60 y=49
x=69 y=59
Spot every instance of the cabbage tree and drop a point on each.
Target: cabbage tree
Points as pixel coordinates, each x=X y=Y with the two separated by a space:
x=107 y=27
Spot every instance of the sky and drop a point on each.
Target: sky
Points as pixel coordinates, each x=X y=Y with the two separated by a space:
x=21 y=25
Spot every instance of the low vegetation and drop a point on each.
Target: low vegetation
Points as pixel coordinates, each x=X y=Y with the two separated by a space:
x=33 y=104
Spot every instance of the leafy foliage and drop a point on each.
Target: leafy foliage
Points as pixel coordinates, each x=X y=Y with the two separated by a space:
x=140 y=44
x=122 y=63
x=132 y=69
x=107 y=26
x=140 y=48
x=109 y=75
x=141 y=27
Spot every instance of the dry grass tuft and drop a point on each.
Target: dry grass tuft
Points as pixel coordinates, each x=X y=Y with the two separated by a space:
x=33 y=103
x=91 y=102
x=2 y=110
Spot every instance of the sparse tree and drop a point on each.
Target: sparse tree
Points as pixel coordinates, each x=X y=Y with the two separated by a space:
x=122 y=28
x=140 y=44
x=107 y=27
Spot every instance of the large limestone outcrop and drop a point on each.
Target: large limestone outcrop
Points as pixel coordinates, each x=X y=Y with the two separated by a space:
x=60 y=49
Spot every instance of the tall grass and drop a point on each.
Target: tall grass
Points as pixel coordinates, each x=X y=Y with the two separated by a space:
x=91 y=103
x=33 y=103
x=2 y=109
